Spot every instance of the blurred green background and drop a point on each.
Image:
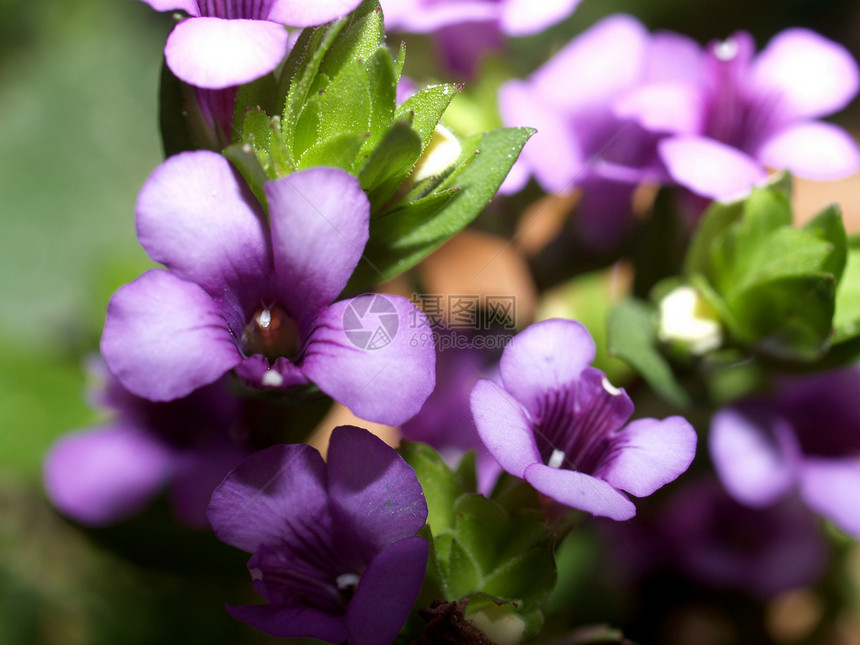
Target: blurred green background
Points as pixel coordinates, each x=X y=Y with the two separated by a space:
x=78 y=135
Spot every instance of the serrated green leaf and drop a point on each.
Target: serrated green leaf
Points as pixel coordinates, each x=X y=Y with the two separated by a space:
x=828 y=226
x=245 y=160
x=438 y=482
x=425 y=109
x=632 y=337
x=846 y=319
x=339 y=152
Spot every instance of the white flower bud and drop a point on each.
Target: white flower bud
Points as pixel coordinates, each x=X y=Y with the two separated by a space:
x=689 y=320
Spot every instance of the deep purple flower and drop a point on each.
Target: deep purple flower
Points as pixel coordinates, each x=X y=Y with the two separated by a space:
x=228 y=42
x=244 y=295
x=581 y=142
x=734 y=114
x=103 y=475
x=805 y=437
x=334 y=547
x=558 y=423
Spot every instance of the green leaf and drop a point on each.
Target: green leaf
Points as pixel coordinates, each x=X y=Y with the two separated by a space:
x=846 y=319
x=425 y=109
x=632 y=337
x=242 y=156
x=828 y=226
x=716 y=220
x=362 y=35
x=382 y=79
x=182 y=124
x=258 y=96
x=389 y=163
x=460 y=572
x=340 y=152
x=440 y=485
x=344 y=105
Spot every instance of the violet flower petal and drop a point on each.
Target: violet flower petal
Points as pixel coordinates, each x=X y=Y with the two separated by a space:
x=813 y=150
x=525 y=17
x=829 y=486
x=421 y=16
x=196 y=216
x=581 y=491
x=650 y=454
x=546 y=356
x=667 y=107
x=308 y=13
x=386 y=592
x=320 y=222
x=215 y=53
x=673 y=57
x=101 y=476
x=710 y=168
x=754 y=456
x=503 y=427
x=164 y=337
x=387 y=351
x=188 y=6
x=248 y=507
x=300 y=621
x=814 y=75
x=374 y=495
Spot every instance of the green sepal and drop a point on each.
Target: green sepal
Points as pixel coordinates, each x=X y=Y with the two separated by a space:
x=344 y=105
x=424 y=109
x=389 y=164
x=340 y=152
x=362 y=34
x=382 y=79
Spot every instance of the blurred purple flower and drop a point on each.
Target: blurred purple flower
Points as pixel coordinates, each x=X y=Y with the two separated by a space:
x=335 y=551
x=467 y=29
x=103 y=475
x=732 y=114
x=227 y=42
x=805 y=437
x=558 y=423
x=244 y=295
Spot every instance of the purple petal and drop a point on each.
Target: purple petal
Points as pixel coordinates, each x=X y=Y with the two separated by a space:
x=188 y=6
x=812 y=150
x=196 y=216
x=754 y=455
x=102 y=476
x=248 y=508
x=673 y=58
x=814 y=75
x=650 y=454
x=421 y=16
x=553 y=154
x=308 y=13
x=462 y=46
x=710 y=168
x=320 y=222
x=257 y=373
x=164 y=337
x=525 y=17
x=546 y=356
x=596 y=65
x=375 y=355
x=214 y=54
x=604 y=213
x=674 y=108
x=395 y=575
x=581 y=491
x=829 y=486
x=503 y=427
x=374 y=495
x=292 y=622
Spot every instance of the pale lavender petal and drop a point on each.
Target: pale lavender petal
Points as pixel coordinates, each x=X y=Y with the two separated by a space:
x=710 y=168
x=649 y=454
x=196 y=216
x=596 y=65
x=580 y=491
x=248 y=507
x=503 y=427
x=375 y=355
x=524 y=17
x=553 y=154
x=673 y=57
x=307 y=13
x=375 y=497
x=814 y=75
x=164 y=337
x=753 y=454
x=320 y=222
x=668 y=107
x=395 y=575
x=812 y=150
x=546 y=356
x=188 y=6
x=299 y=621
x=421 y=16
x=102 y=476
x=215 y=53
x=830 y=486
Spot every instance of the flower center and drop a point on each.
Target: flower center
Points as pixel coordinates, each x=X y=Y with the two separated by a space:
x=346 y=584
x=272 y=333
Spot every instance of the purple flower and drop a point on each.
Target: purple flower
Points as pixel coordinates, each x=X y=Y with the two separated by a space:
x=733 y=114
x=559 y=424
x=805 y=437
x=227 y=42
x=244 y=295
x=581 y=142
x=467 y=29
x=334 y=547
x=104 y=475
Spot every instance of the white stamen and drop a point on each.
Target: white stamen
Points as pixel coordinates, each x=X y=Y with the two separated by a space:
x=614 y=391
x=726 y=50
x=256 y=574
x=556 y=459
x=346 y=580
x=272 y=379
x=265 y=318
